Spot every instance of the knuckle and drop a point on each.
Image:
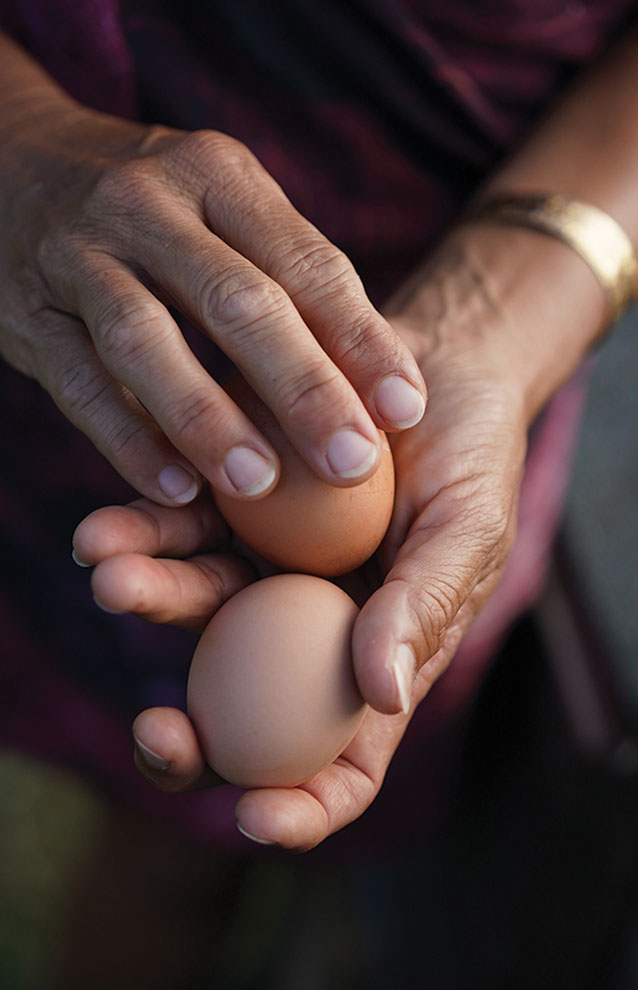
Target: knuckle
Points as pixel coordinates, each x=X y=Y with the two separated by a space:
x=213 y=581
x=83 y=393
x=120 y=188
x=228 y=176
x=360 y=340
x=79 y=389
x=191 y=418
x=319 y=265
x=59 y=252
x=310 y=392
x=109 y=191
x=239 y=301
x=212 y=154
x=436 y=607
x=492 y=524
x=47 y=253
x=125 y=332
x=208 y=143
x=484 y=508
x=354 y=794
x=125 y=437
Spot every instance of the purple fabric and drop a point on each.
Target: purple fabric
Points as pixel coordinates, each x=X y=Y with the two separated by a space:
x=81 y=44
x=378 y=119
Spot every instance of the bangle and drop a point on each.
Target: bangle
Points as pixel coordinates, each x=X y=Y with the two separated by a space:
x=598 y=239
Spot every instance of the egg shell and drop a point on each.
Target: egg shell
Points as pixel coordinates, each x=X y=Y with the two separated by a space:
x=305 y=524
x=271 y=688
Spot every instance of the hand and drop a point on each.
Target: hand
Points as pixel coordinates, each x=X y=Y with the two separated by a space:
x=105 y=223
x=458 y=474
x=134 y=573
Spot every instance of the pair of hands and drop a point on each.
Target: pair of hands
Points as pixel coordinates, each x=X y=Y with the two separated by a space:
x=120 y=222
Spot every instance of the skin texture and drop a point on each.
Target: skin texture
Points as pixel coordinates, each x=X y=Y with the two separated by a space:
x=119 y=220
x=458 y=474
x=495 y=322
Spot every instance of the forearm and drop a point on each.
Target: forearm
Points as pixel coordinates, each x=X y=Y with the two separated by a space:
x=538 y=304
x=27 y=92
x=587 y=147
x=44 y=131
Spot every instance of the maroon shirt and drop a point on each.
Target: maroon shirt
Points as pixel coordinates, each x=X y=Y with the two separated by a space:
x=378 y=119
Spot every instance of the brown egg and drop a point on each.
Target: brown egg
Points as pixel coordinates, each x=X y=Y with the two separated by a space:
x=271 y=689
x=306 y=524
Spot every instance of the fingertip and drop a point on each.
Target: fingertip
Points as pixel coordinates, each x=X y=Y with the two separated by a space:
x=86 y=540
x=384 y=661
x=249 y=473
x=154 y=738
x=150 y=758
x=166 y=750
x=351 y=456
x=105 y=608
x=398 y=403
x=254 y=838
x=76 y=559
x=384 y=694
x=116 y=584
x=284 y=817
x=103 y=534
x=403 y=665
x=178 y=484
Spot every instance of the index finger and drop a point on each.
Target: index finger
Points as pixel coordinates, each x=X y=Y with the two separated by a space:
x=325 y=288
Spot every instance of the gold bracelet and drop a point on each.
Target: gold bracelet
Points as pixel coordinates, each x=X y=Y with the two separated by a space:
x=598 y=239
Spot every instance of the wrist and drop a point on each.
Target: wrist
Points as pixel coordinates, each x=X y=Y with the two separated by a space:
x=552 y=307
x=522 y=307
x=28 y=95
x=43 y=129
x=593 y=234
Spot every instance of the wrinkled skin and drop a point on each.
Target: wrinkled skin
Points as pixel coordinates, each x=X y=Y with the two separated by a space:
x=458 y=475
x=119 y=221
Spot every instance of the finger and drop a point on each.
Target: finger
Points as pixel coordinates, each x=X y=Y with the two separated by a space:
x=147 y=528
x=301 y=817
x=142 y=347
x=109 y=414
x=183 y=593
x=450 y=562
x=253 y=320
x=325 y=289
x=167 y=752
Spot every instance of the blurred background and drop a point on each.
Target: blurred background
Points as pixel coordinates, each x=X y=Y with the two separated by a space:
x=533 y=884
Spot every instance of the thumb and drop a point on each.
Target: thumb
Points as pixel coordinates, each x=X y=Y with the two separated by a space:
x=414 y=623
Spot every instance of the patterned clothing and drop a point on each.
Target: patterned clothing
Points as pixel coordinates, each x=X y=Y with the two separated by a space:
x=378 y=119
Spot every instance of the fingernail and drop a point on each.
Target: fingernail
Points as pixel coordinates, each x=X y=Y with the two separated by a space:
x=404 y=670
x=77 y=560
x=254 y=838
x=350 y=454
x=154 y=760
x=111 y=611
x=398 y=402
x=248 y=471
x=177 y=483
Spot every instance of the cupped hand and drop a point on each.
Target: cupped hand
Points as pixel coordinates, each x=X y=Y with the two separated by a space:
x=138 y=553
x=108 y=226
x=458 y=476
x=454 y=525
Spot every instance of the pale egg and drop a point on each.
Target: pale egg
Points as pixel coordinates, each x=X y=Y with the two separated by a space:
x=271 y=689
